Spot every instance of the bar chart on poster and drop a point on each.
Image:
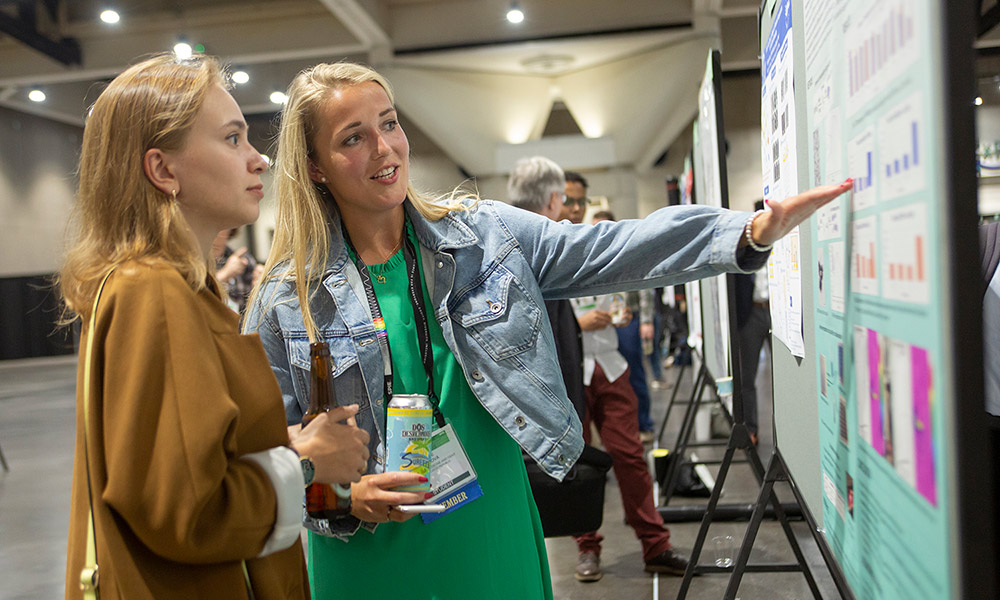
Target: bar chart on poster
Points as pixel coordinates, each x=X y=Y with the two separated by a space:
x=867 y=85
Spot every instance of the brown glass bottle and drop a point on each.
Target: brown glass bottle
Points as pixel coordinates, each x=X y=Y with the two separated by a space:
x=322 y=501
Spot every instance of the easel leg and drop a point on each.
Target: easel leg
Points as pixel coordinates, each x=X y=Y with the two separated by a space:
x=687 y=424
x=775 y=472
x=706 y=520
x=670 y=405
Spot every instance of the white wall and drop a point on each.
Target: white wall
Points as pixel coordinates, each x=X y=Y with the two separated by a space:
x=37 y=183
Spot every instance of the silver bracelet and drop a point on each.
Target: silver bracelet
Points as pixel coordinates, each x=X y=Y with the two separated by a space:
x=748 y=233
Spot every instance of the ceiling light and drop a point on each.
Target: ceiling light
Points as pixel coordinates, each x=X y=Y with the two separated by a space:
x=241 y=77
x=979 y=100
x=514 y=14
x=279 y=97
x=182 y=50
x=36 y=96
x=110 y=17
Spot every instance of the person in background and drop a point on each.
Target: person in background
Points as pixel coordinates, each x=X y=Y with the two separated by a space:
x=236 y=270
x=613 y=407
x=444 y=297
x=753 y=323
x=182 y=449
x=630 y=345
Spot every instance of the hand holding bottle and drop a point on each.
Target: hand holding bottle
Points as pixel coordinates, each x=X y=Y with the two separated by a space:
x=339 y=451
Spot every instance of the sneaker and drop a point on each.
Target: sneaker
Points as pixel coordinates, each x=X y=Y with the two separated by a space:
x=588 y=567
x=658 y=384
x=669 y=562
x=647 y=437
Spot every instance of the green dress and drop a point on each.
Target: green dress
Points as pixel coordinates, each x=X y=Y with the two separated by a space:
x=491 y=548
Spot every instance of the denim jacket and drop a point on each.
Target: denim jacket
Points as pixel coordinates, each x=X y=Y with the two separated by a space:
x=488 y=272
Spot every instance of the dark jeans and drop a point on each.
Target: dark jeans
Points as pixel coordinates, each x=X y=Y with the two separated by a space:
x=752 y=337
x=630 y=345
x=656 y=358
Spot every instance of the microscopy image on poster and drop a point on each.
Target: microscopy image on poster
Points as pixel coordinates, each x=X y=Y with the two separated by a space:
x=894 y=414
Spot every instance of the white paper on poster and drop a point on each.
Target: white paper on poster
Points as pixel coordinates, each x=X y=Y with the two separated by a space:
x=837 y=276
x=780 y=174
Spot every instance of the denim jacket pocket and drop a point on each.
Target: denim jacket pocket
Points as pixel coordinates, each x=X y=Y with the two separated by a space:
x=499 y=314
x=343 y=357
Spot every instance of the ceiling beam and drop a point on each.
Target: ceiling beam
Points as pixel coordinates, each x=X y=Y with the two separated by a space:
x=362 y=25
x=22 y=28
x=988 y=21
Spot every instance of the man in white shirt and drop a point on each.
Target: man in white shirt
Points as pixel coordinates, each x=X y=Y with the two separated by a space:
x=613 y=407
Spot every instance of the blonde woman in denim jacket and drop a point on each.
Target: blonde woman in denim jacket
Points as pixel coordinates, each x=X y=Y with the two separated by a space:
x=483 y=270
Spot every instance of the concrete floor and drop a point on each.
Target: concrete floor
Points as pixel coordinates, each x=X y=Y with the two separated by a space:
x=37 y=409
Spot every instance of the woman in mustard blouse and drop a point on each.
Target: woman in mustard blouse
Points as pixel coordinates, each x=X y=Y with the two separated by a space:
x=195 y=490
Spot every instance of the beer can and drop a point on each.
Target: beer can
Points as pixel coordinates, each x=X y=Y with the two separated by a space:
x=410 y=419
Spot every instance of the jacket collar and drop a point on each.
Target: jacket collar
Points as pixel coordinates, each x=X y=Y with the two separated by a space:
x=447 y=232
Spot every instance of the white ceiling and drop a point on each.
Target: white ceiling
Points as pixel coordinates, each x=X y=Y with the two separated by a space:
x=627 y=71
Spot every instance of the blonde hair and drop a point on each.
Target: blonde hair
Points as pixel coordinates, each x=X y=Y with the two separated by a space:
x=301 y=235
x=119 y=214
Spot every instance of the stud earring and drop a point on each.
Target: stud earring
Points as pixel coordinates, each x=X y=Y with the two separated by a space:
x=323 y=179
x=174 y=194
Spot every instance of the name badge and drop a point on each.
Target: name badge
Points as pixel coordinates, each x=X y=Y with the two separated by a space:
x=453 y=479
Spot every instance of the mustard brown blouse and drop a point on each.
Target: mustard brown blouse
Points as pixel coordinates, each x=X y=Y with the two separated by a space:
x=179 y=399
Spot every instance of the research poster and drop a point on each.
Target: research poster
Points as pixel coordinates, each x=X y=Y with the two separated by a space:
x=870 y=90
x=780 y=174
x=708 y=181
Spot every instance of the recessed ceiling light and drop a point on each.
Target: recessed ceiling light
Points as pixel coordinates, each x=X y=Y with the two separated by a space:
x=514 y=14
x=241 y=77
x=979 y=100
x=110 y=17
x=182 y=50
x=36 y=96
x=279 y=97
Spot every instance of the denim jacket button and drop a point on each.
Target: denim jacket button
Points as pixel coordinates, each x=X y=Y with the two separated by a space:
x=440 y=264
x=561 y=459
x=477 y=375
x=520 y=422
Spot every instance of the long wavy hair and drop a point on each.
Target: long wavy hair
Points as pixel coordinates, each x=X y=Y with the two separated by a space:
x=119 y=214
x=301 y=237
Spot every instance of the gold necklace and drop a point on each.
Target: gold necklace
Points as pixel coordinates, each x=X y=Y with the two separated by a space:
x=379 y=277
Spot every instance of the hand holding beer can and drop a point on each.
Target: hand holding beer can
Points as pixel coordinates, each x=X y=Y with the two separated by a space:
x=409 y=423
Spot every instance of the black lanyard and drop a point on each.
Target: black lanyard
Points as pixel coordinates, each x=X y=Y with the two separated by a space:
x=420 y=321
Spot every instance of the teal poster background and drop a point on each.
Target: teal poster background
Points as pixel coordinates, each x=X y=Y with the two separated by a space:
x=871 y=88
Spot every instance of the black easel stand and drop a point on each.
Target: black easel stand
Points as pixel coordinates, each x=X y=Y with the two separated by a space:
x=740 y=439
x=778 y=471
x=703 y=381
